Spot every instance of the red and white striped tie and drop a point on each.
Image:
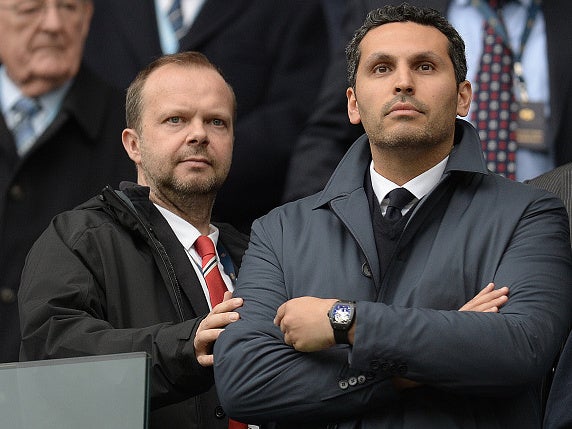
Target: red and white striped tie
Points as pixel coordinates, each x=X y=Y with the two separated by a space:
x=216 y=286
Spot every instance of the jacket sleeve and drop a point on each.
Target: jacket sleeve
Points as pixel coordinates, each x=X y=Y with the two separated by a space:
x=66 y=309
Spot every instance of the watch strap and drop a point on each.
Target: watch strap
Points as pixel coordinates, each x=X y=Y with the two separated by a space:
x=341 y=336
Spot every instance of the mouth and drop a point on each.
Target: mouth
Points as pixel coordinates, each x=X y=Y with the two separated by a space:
x=196 y=161
x=403 y=109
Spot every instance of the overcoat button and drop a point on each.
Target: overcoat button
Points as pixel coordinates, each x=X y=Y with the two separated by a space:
x=219 y=412
x=17 y=193
x=7 y=296
x=365 y=270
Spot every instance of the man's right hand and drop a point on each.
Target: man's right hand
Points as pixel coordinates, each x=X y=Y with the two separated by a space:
x=487 y=300
x=211 y=326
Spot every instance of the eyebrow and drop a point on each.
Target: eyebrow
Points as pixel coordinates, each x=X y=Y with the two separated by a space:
x=418 y=56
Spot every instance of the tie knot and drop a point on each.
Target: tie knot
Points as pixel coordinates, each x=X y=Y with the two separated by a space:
x=26 y=108
x=399 y=198
x=204 y=246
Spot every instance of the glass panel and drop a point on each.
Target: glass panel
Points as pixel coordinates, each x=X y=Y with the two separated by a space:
x=89 y=393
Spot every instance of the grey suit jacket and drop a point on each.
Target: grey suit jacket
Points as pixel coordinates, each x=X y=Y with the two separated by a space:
x=478 y=370
x=559 y=182
x=558 y=414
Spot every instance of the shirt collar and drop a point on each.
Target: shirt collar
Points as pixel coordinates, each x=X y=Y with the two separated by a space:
x=10 y=94
x=418 y=186
x=186 y=232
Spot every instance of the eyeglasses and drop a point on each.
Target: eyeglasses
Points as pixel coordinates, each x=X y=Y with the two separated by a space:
x=33 y=9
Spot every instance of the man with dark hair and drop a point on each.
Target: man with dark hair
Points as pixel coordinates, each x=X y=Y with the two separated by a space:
x=543 y=73
x=143 y=268
x=350 y=296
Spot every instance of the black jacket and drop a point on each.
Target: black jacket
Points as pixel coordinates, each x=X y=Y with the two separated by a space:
x=76 y=156
x=111 y=277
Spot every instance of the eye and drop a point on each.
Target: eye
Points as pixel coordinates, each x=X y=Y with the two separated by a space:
x=69 y=6
x=381 y=68
x=426 y=67
x=174 y=120
x=29 y=7
x=218 y=122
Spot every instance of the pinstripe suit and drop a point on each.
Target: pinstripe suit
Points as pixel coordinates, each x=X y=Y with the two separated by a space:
x=558 y=412
x=559 y=182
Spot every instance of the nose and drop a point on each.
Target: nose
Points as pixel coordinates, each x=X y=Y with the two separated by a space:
x=51 y=19
x=196 y=132
x=404 y=82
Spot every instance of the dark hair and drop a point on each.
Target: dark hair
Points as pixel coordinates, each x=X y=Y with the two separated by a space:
x=134 y=99
x=407 y=13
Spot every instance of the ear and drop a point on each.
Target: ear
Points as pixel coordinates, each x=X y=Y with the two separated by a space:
x=88 y=14
x=353 y=109
x=464 y=97
x=130 y=140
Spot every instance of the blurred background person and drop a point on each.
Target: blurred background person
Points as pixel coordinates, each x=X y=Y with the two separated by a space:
x=59 y=131
x=274 y=54
x=534 y=31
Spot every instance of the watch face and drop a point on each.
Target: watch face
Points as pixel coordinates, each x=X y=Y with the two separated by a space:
x=342 y=313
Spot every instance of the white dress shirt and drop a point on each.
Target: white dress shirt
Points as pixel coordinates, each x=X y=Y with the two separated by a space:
x=50 y=105
x=189 y=8
x=419 y=186
x=187 y=235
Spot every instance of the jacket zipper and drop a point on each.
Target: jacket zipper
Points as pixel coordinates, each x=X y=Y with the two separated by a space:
x=160 y=250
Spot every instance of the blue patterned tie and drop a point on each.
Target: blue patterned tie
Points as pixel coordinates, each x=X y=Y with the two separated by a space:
x=175 y=15
x=23 y=131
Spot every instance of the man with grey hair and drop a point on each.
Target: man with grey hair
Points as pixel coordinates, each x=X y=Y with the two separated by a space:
x=59 y=128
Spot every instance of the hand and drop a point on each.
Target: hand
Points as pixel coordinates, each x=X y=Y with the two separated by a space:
x=488 y=300
x=305 y=324
x=211 y=326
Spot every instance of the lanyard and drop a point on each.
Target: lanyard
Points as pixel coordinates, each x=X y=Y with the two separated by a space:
x=494 y=20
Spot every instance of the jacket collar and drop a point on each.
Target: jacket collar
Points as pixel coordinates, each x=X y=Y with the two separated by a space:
x=466 y=156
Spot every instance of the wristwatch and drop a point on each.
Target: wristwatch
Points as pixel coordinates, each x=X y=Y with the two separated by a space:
x=342 y=316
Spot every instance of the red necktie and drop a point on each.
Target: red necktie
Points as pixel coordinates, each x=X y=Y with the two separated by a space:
x=494 y=110
x=216 y=286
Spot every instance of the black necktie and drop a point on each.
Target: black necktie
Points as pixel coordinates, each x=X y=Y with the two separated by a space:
x=398 y=198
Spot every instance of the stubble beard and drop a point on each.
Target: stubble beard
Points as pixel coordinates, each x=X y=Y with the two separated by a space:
x=186 y=193
x=182 y=192
x=409 y=138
